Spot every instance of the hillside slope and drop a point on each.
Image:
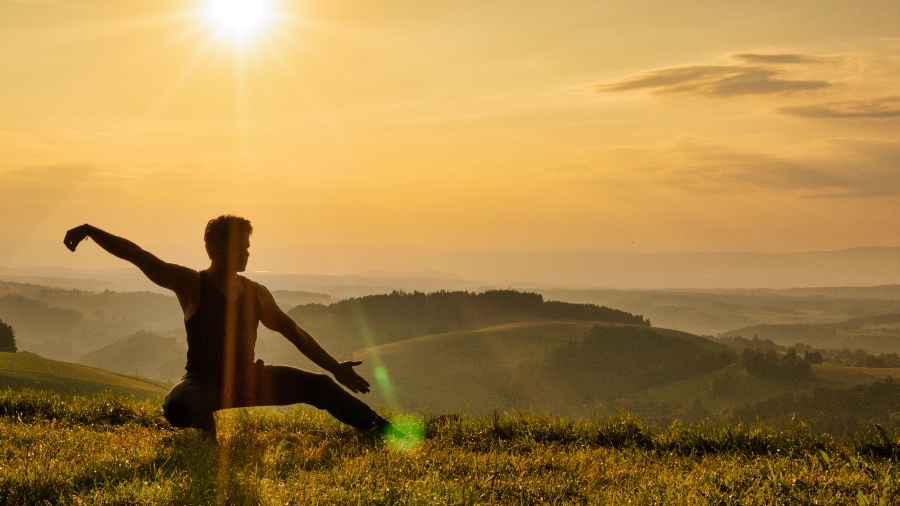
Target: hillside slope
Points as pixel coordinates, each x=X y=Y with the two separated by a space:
x=18 y=371
x=459 y=370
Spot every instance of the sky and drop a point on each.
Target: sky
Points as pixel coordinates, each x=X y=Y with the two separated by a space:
x=755 y=126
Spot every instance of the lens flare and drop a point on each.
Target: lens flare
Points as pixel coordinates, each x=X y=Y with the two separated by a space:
x=410 y=433
x=409 y=430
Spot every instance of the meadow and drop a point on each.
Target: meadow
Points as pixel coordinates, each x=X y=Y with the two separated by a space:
x=106 y=449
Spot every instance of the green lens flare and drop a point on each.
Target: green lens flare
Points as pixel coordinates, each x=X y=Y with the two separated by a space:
x=384 y=383
x=408 y=435
x=407 y=432
x=381 y=374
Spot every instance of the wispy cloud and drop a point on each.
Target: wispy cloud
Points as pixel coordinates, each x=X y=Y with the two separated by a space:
x=757 y=74
x=882 y=107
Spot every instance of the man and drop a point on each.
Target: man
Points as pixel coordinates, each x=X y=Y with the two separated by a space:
x=222 y=311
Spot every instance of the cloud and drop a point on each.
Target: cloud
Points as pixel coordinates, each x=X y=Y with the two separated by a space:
x=883 y=107
x=758 y=75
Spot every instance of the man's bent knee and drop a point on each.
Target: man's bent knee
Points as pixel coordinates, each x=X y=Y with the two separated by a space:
x=185 y=408
x=325 y=386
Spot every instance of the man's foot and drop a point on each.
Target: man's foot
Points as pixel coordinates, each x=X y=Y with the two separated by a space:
x=385 y=430
x=392 y=432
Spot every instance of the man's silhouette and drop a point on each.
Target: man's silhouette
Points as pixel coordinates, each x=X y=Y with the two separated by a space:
x=222 y=311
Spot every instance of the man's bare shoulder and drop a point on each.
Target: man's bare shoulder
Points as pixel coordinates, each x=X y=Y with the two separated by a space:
x=251 y=284
x=258 y=289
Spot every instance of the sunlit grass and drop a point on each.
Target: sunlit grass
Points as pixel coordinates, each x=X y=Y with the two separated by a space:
x=123 y=453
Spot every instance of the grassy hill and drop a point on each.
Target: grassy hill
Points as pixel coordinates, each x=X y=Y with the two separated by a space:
x=550 y=366
x=113 y=451
x=713 y=311
x=459 y=370
x=486 y=369
x=24 y=371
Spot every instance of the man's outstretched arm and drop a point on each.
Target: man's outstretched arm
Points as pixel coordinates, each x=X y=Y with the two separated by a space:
x=171 y=276
x=274 y=318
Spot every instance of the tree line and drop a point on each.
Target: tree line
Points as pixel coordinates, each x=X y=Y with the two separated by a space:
x=7 y=338
x=380 y=319
x=464 y=305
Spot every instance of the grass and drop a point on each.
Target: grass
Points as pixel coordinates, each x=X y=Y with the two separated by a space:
x=109 y=450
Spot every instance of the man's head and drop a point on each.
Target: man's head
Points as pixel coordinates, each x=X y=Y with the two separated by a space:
x=227 y=241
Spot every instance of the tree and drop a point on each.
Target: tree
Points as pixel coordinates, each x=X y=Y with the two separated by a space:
x=7 y=338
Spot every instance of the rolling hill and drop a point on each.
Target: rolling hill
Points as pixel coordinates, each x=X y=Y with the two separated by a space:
x=874 y=334
x=491 y=368
x=459 y=370
x=579 y=369
x=21 y=370
x=713 y=311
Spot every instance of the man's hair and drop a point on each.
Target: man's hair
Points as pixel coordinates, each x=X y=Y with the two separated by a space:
x=220 y=231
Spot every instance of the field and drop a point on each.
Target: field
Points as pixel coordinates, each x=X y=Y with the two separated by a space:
x=459 y=369
x=109 y=450
x=18 y=370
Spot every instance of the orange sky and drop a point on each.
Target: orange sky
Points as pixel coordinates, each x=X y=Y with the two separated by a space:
x=670 y=126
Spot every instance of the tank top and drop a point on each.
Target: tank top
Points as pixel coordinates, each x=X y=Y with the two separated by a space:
x=221 y=335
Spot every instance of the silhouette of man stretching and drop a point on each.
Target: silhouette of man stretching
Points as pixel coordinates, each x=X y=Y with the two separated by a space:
x=222 y=311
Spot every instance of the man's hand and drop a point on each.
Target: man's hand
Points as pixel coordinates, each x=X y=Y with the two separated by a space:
x=75 y=236
x=345 y=374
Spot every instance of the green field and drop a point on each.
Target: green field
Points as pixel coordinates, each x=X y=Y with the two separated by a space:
x=106 y=450
x=459 y=370
x=472 y=371
x=18 y=371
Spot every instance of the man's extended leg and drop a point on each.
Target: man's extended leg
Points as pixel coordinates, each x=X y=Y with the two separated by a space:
x=281 y=385
x=190 y=405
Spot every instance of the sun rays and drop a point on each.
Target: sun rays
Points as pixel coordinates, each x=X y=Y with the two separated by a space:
x=238 y=45
x=239 y=20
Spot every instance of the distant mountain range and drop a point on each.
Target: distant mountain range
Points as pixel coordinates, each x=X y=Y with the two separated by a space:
x=460 y=269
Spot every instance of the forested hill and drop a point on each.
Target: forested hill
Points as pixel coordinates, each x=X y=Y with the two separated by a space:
x=381 y=319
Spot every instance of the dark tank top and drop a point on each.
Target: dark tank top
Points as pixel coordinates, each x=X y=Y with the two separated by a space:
x=221 y=335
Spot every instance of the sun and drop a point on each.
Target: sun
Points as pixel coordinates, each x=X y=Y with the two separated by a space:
x=239 y=19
